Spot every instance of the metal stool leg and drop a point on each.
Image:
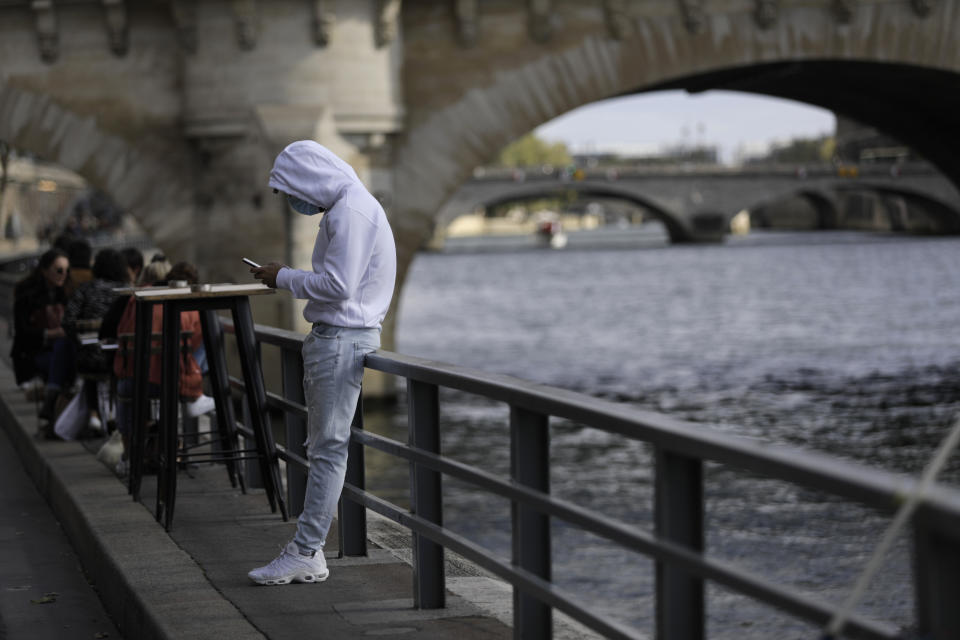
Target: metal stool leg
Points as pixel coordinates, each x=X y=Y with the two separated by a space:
x=169 y=399
x=253 y=379
x=141 y=404
x=220 y=388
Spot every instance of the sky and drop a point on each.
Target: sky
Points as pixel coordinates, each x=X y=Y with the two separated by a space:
x=738 y=123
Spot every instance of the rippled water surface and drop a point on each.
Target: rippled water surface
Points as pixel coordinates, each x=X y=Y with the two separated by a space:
x=841 y=342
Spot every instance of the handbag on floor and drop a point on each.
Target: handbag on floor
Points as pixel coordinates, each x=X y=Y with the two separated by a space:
x=73 y=418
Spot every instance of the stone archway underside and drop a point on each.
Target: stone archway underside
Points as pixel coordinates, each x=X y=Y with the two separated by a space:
x=140 y=178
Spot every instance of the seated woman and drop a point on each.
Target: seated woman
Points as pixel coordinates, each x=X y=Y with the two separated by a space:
x=154 y=272
x=38 y=307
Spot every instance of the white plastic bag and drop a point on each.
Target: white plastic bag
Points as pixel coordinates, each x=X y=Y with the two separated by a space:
x=112 y=451
x=73 y=418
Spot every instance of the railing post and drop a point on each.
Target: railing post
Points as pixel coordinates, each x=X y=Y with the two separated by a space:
x=936 y=580
x=426 y=495
x=678 y=513
x=353 y=516
x=291 y=368
x=530 y=466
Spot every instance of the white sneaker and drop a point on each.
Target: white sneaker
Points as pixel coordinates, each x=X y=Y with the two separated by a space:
x=203 y=404
x=290 y=565
x=95 y=423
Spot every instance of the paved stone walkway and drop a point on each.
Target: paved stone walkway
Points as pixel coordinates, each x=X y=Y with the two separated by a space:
x=44 y=594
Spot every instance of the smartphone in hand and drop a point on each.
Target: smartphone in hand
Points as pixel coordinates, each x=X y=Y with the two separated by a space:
x=251 y=263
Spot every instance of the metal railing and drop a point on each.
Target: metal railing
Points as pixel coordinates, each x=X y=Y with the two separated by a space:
x=677 y=542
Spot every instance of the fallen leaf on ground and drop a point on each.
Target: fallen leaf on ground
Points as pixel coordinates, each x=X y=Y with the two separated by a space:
x=47 y=598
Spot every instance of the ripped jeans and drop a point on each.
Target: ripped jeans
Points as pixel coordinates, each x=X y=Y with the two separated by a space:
x=332 y=374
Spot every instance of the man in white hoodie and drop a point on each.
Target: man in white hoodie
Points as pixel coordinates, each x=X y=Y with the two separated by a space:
x=348 y=293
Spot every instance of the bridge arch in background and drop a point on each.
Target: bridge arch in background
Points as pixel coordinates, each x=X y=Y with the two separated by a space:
x=521 y=192
x=884 y=65
x=156 y=192
x=907 y=209
x=828 y=214
x=947 y=217
x=826 y=84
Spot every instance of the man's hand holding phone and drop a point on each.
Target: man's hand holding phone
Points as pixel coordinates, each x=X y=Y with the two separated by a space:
x=267 y=273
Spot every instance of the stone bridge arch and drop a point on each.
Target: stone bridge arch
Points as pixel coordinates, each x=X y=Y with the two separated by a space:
x=699 y=203
x=907 y=207
x=480 y=76
x=143 y=178
x=825 y=204
x=943 y=214
x=464 y=202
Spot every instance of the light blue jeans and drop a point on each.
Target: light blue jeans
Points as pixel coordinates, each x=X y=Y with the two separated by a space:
x=332 y=374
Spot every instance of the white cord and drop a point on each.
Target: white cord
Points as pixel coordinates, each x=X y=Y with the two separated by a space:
x=903 y=514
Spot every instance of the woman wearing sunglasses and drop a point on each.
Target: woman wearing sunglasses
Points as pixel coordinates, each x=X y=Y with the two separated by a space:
x=38 y=305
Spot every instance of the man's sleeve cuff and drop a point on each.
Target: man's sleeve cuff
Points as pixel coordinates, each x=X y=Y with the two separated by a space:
x=283 y=278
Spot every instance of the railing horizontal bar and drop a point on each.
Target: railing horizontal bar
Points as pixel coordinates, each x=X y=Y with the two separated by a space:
x=541 y=589
x=794 y=603
x=285 y=454
x=274 y=401
x=270 y=335
x=872 y=487
x=453 y=468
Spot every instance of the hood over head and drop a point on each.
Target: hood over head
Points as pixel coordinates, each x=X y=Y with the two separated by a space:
x=308 y=170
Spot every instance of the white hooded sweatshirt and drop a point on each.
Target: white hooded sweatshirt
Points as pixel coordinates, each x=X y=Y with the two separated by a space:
x=354 y=257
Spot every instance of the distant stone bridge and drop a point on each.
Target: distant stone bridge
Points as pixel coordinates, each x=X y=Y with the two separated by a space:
x=697 y=203
x=176 y=108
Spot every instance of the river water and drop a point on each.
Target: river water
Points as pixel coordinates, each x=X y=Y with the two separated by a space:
x=842 y=342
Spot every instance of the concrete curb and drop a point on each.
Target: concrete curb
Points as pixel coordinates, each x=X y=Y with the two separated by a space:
x=151 y=588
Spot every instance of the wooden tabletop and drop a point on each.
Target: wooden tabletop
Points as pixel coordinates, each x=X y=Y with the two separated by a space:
x=199 y=291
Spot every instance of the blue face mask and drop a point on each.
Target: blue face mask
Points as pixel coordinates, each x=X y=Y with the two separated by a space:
x=302 y=206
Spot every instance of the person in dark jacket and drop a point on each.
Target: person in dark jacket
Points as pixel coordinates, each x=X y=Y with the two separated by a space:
x=134 y=262
x=85 y=309
x=79 y=253
x=38 y=307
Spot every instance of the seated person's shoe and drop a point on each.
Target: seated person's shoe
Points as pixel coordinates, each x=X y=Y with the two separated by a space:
x=290 y=566
x=48 y=410
x=33 y=389
x=203 y=404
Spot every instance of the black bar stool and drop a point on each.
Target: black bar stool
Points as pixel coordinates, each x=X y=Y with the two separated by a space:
x=124 y=347
x=206 y=299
